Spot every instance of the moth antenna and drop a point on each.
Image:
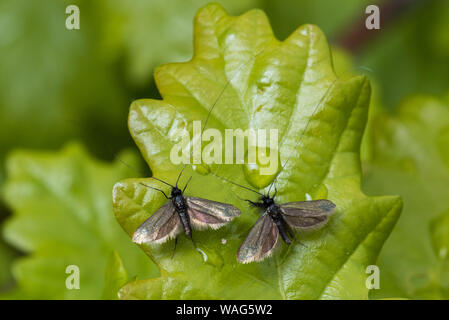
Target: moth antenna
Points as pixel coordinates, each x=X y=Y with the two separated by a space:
x=224 y=88
x=238 y=197
x=269 y=189
x=138 y=171
x=251 y=203
x=179 y=176
x=157 y=179
x=124 y=162
x=314 y=112
x=185 y=187
x=236 y=184
x=127 y=164
x=216 y=101
x=207 y=119
x=154 y=189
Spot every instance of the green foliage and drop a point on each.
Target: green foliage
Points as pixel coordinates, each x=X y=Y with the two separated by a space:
x=410 y=54
x=410 y=157
x=63 y=216
x=115 y=277
x=6 y=257
x=333 y=17
x=59 y=84
x=55 y=83
x=273 y=84
x=150 y=33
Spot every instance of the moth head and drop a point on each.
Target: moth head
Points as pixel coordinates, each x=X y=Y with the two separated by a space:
x=267 y=200
x=175 y=191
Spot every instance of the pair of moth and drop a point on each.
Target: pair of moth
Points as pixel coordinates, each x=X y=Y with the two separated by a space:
x=182 y=213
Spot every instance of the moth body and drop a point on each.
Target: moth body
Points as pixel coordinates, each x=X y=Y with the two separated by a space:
x=180 y=204
x=278 y=220
x=274 y=211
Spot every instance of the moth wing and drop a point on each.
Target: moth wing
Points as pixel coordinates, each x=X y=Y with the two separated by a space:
x=205 y=213
x=307 y=215
x=260 y=242
x=163 y=225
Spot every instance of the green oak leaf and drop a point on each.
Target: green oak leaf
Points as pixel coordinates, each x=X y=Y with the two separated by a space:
x=272 y=85
x=439 y=233
x=115 y=276
x=409 y=157
x=62 y=216
x=7 y=255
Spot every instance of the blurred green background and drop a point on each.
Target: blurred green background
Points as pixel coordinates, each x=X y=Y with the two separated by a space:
x=59 y=85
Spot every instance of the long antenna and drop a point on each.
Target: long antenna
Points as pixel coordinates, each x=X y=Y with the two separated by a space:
x=236 y=184
x=214 y=104
x=312 y=115
x=72 y=121
x=202 y=130
x=179 y=176
x=138 y=171
x=224 y=88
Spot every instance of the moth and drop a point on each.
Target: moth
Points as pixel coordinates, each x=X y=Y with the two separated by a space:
x=181 y=213
x=278 y=220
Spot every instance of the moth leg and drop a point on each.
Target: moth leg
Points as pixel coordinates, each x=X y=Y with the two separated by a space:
x=240 y=198
x=302 y=244
x=292 y=235
x=294 y=240
x=156 y=190
x=174 y=248
x=255 y=204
